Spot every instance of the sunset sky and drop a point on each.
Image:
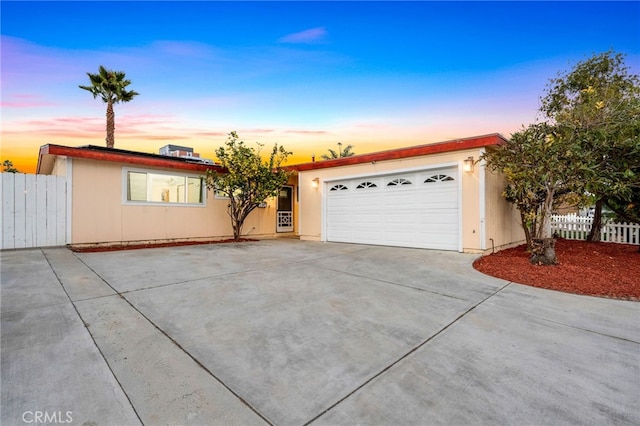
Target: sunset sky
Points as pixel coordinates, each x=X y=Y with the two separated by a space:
x=306 y=75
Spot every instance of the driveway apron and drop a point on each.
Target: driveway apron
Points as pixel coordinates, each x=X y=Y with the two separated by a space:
x=287 y=332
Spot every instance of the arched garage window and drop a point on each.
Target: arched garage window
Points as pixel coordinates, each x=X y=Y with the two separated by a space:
x=338 y=188
x=438 y=178
x=399 y=181
x=367 y=184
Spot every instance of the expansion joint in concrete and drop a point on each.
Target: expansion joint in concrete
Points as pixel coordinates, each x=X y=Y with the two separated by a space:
x=406 y=355
x=122 y=295
x=91 y=335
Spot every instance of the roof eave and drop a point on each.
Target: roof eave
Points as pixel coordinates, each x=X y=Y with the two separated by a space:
x=493 y=139
x=49 y=151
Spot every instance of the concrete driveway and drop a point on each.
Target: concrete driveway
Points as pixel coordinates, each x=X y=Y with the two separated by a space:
x=287 y=332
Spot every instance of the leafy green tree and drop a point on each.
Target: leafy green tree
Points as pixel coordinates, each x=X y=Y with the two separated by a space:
x=588 y=146
x=346 y=152
x=626 y=211
x=248 y=180
x=597 y=107
x=111 y=87
x=539 y=169
x=7 y=167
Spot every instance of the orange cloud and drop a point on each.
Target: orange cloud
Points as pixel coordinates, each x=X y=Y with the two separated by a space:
x=211 y=134
x=307 y=132
x=162 y=137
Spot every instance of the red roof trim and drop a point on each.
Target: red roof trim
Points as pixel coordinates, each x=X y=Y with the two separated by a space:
x=121 y=157
x=414 y=151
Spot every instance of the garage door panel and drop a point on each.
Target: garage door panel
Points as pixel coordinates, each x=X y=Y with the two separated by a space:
x=363 y=204
x=423 y=215
x=390 y=196
x=428 y=194
x=400 y=237
x=366 y=236
x=437 y=229
x=339 y=199
x=341 y=221
x=341 y=238
x=435 y=219
x=401 y=216
x=427 y=200
x=367 y=220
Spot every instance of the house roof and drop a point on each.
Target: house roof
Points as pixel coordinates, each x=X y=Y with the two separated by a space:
x=92 y=152
x=412 y=151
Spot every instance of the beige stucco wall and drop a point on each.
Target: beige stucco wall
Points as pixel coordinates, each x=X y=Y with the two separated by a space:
x=311 y=199
x=60 y=166
x=100 y=215
x=503 y=228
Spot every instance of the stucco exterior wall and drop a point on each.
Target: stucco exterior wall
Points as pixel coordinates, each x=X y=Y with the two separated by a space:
x=503 y=227
x=100 y=215
x=312 y=199
x=60 y=166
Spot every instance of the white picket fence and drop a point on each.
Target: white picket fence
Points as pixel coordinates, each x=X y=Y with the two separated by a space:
x=34 y=210
x=574 y=227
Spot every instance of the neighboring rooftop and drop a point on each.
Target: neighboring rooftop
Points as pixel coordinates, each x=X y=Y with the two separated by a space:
x=169 y=148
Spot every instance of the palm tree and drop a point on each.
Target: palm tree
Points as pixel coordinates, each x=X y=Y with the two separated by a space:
x=346 y=152
x=7 y=167
x=111 y=87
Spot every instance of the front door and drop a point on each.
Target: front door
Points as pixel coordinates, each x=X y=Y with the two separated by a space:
x=285 y=210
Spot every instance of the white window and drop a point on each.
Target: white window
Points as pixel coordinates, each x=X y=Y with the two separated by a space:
x=166 y=188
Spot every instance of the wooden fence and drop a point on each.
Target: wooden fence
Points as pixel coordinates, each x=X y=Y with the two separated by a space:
x=574 y=227
x=34 y=210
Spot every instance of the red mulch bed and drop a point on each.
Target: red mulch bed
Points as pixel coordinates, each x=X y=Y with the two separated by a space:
x=595 y=269
x=95 y=249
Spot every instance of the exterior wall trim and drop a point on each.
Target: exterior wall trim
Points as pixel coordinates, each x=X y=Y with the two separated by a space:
x=69 y=200
x=460 y=206
x=483 y=201
x=324 y=206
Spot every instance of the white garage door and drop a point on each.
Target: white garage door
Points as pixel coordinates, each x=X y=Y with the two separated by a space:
x=417 y=209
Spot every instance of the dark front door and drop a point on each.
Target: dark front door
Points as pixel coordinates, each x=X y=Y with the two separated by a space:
x=285 y=210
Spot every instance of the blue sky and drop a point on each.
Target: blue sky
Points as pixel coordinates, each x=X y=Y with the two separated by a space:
x=307 y=75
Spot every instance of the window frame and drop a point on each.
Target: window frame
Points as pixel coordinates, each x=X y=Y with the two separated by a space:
x=125 y=188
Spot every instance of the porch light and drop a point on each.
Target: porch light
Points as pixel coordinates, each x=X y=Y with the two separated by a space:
x=468 y=165
x=315 y=183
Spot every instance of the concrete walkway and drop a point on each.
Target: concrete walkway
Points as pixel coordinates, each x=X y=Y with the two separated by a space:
x=287 y=332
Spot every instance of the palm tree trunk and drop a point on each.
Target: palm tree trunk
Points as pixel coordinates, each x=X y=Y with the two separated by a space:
x=111 y=125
